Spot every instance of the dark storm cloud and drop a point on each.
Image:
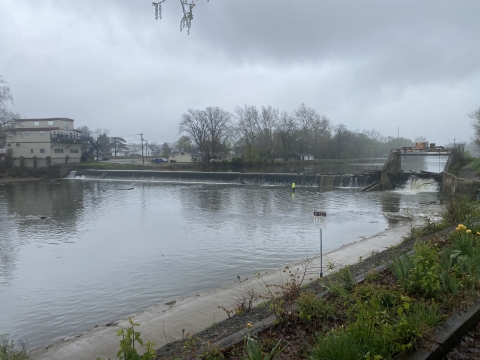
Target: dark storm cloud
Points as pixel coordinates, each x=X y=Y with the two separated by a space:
x=406 y=40
x=367 y=64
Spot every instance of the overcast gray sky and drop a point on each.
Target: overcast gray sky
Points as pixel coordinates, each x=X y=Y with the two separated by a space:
x=364 y=63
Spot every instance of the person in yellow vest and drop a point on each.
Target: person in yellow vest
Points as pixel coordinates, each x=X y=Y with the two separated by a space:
x=293 y=187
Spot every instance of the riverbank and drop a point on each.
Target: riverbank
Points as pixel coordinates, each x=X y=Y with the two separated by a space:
x=10 y=179
x=164 y=323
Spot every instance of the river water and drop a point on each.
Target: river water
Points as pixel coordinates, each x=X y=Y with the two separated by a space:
x=103 y=252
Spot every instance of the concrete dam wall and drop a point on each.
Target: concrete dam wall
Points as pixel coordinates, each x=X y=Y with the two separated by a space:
x=305 y=180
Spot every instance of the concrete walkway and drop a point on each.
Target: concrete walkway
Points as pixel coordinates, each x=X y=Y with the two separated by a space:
x=199 y=312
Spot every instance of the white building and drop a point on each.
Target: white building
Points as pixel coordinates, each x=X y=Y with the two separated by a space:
x=185 y=157
x=131 y=150
x=303 y=156
x=41 y=138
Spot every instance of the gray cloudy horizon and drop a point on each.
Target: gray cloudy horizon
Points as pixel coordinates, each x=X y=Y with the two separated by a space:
x=366 y=64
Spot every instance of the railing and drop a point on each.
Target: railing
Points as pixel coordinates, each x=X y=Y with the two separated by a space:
x=68 y=137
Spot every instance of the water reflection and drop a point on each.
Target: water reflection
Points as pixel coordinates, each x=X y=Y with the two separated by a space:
x=432 y=163
x=104 y=252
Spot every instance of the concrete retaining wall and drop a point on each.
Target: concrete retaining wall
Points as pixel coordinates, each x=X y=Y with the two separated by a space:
x=452 y=185
x=393 y=165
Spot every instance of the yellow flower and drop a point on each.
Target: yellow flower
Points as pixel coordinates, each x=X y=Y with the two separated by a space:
x=249 y=326
x=469 y=231
x=478 y=233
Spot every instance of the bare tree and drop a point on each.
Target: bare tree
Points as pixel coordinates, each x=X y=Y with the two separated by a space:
x=218 y=130
x=210 y=129
x=85 y=130
x=372 y=134
x=286 y=128
x=247 y=119
x=99 y=132
x=266 y=131
x=475 y=116
x=7 y=117
x=420 y=138
x=321 y=133
x=5 y=94
x=193 y=123
x=340 y=134
x=305 y=117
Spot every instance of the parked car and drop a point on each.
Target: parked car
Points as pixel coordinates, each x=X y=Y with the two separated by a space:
x=104 y=159
x=157 y=161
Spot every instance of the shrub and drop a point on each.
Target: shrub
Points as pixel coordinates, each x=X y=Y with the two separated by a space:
x=460 y=209
x=475 y=165
x=311 y=308
x=127 y=344
x=8 y=351
x=385 y=323
x=424 y=275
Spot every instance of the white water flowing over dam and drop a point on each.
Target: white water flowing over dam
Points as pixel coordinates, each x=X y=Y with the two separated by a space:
x=421 y=184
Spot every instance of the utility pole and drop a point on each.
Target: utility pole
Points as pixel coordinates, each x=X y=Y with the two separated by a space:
x=141 y=136
x=398 y=135
x=146 y=148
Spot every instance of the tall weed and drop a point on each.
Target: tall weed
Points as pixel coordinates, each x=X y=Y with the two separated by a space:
x=460 y=209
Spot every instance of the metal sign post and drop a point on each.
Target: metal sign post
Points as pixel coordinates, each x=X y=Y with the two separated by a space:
x=320 y=220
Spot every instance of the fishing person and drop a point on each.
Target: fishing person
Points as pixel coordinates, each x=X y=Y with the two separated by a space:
x=293 y=186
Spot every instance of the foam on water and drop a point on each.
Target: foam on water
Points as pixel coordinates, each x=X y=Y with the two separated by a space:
x=415 y=185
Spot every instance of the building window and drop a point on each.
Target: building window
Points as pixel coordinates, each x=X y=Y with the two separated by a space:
x=42 y=133
x=42 y=151
x=27 y=133
x=22 y=123
x=31 y=151
x=36 y=123
x=73 y=151
x=58 y=151
x=50 y=123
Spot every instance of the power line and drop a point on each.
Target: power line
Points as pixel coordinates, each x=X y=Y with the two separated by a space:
x=128 y=135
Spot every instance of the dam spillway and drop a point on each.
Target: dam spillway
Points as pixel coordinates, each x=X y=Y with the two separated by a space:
x=325 y=181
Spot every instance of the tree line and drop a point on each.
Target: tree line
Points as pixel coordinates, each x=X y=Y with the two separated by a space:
x=267 y=133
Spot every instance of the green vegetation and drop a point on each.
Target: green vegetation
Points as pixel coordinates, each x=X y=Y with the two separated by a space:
x=254 y=350
x=460 y=159
x=311 y=308
x=475 y=164
x=131 y=337
x=10 y=351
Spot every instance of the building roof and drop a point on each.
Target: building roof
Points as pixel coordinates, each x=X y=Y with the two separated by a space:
x=20 y=129
x=40 y=119
x=302 y=154
x=192 y=153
